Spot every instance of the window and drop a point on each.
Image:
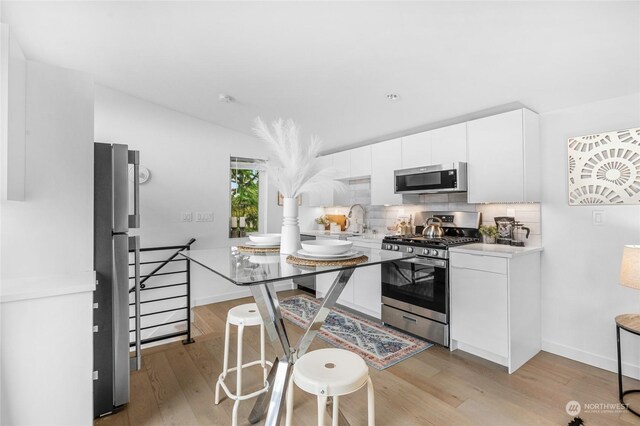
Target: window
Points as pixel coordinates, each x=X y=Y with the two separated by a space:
x=246 y=200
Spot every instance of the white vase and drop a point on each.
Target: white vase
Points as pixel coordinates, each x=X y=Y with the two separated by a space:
x=290 y=238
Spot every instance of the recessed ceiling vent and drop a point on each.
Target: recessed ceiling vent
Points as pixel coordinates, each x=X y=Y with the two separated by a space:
x=225 y=98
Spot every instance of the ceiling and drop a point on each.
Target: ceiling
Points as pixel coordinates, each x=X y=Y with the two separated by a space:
x=329 y=65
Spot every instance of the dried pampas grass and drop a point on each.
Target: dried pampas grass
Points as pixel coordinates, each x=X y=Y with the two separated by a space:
x=294 y=167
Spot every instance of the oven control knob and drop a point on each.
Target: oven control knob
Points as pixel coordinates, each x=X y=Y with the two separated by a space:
x=425 y=252
x=434 y=252
x=409 y=249
x=396 y=248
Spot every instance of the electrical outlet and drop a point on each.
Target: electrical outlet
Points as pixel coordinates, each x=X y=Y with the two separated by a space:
x=597 y=218
x=204 y=217
x=511 y=212
x=186 y=216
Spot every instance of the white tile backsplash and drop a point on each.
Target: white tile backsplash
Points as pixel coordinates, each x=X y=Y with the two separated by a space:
x=527 y=213
x=381 y=217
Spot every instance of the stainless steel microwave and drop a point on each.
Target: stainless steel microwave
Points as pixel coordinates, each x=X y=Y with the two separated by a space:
x=451 y=177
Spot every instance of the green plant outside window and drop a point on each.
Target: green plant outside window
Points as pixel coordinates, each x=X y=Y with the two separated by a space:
x=245 y=191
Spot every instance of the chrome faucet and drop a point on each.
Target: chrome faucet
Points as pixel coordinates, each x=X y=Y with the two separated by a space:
x=359 y=229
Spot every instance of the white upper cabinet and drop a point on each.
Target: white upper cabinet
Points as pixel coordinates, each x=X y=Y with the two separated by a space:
x=504 y=158
x=341 y=164
x=439 y=146
x=385 y=158
x=359 y=161
x=416 y=150
x=449 y=144
x=320 y=197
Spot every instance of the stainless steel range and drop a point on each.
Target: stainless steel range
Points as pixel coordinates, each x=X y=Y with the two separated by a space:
x=415 y=292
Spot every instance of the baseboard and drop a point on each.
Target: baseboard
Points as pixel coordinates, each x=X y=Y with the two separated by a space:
x=241 y=292
x=464 y=347
x=595 y=360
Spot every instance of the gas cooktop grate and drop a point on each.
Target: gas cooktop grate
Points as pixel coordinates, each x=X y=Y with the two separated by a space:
x=419 y=240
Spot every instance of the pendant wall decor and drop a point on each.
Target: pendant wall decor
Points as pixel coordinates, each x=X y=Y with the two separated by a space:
x=605 y=168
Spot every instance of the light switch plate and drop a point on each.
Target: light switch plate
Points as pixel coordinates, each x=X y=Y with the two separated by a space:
x=186 y=216
x=204 y=217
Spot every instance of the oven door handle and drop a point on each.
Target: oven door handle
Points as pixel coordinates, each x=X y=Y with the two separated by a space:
x=436 y=263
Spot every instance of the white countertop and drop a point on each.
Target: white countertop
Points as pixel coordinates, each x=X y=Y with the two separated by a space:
x=363 y=240
x=349 y=235
x=496 y=250
x=13 y=290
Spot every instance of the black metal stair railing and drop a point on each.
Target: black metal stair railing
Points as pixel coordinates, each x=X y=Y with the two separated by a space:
x=165 y=295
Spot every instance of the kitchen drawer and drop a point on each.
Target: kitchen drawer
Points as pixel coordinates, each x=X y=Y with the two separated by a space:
x=415 y=324
x=497 y=265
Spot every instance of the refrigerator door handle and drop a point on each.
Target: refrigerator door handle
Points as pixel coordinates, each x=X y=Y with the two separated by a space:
x=134 y=219
x=134 y=244
x=120 y=188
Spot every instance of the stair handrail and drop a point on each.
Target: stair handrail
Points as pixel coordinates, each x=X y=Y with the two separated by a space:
x=165 y=263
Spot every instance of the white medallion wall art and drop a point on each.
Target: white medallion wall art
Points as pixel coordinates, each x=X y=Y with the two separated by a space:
x=605 y=168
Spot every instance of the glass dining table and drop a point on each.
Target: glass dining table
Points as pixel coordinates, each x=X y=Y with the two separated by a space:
x=260 y=272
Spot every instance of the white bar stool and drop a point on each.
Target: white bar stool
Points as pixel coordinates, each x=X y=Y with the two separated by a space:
x=242 y=316
x=330 y=373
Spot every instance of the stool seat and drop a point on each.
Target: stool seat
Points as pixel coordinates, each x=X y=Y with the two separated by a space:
x=247 y=315
x=330 y=372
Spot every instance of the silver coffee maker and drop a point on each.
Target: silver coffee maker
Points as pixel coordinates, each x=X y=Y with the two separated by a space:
x=520 y=233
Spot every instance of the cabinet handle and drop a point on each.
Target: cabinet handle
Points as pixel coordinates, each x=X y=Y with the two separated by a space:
x=409 y=318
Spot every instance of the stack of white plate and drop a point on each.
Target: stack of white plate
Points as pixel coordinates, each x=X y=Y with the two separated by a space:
x=263 y=240
x=327 y=250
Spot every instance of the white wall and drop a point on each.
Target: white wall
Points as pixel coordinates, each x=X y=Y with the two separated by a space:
x=189 y=163
x=47 y=258
x=580 y=263
x=51 y=232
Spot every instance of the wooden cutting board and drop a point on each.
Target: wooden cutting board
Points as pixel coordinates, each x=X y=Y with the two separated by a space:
x=340 y=219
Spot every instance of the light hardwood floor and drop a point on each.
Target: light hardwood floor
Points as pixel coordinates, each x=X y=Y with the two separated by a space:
x=434 y=387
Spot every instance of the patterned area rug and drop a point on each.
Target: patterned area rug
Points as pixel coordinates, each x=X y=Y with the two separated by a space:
x=378 y=345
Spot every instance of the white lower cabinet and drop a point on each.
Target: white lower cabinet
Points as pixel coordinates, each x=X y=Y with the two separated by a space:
x=363 y=292
x=485 y=329
x=324 y=282
x=495 y=307
x=367 y=290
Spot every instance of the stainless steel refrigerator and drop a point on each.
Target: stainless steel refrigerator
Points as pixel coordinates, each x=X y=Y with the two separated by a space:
x=113 y=217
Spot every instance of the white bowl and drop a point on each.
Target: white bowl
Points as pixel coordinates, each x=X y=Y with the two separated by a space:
x=265 y=238
x=327 y=246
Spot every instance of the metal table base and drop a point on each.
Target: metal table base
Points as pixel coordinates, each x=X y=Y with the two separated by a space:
x=286 y=355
